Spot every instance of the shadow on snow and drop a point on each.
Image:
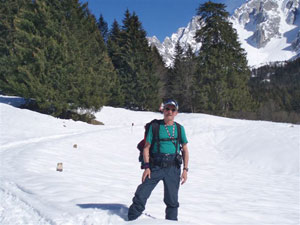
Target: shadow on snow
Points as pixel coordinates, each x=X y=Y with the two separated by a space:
x=114 y=208
x=12 y=100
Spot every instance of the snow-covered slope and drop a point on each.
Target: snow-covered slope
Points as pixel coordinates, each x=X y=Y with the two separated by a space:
x=241 y=172
x=268 y=30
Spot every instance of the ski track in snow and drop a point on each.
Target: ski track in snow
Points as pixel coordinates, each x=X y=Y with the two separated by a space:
x=21 y=211
x=36 y=140
x=227 y=184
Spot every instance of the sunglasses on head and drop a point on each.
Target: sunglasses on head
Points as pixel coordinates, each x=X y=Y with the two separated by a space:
x=167 y=109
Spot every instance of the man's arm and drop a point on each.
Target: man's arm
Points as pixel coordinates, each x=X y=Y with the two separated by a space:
x=185 y=154
x=146 y=156
x=146 y=152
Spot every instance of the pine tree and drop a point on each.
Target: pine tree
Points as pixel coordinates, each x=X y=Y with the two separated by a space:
x=182 y=78
x=160 y=72
x=113 y=47
x=223 y=73
x=28 y=53
x=9 y=12
x=174 y=76
x=93 y=71
x=103 y=27
x=114 y=44
x=133 y=60
x=56 y=64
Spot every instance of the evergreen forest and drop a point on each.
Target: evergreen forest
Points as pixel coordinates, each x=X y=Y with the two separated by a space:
x=68 y=63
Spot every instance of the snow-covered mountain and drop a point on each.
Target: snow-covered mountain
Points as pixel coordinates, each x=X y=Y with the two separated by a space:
x=268 y=30
x=185 y=35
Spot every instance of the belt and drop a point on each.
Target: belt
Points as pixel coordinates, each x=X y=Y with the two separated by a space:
x=164 y=164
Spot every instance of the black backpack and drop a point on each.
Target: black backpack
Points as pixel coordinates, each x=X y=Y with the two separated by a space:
x=156 y=140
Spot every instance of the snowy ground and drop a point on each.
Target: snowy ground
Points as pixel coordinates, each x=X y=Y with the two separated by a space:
x=241 y=172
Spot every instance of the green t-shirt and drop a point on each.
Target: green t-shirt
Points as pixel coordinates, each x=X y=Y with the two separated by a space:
x=166 y=147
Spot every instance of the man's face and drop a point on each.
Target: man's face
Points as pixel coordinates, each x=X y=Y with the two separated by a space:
x=170 y=112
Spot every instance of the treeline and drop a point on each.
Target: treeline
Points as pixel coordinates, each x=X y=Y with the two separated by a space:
x=58 y=55
x=277 y=88
x=53 y=54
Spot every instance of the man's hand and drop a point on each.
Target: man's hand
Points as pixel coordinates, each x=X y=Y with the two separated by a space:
x=183 y=177
x=185 y=154
x=147 y=173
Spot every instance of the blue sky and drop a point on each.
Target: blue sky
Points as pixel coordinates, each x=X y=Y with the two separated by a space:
x=158 y=17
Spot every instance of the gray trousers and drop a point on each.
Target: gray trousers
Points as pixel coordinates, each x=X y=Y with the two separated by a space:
x=171 y=179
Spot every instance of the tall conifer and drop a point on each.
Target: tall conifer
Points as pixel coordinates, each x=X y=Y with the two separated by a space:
x=103 y=27
x=9 y=12
x=222 y=65
x=182 y=78
x=133 y=59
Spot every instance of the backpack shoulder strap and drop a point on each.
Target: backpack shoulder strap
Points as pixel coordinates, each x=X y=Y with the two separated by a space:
x=178 y=142
x=155 y=131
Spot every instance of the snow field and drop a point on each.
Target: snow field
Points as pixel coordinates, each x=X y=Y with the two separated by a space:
x=241 y=172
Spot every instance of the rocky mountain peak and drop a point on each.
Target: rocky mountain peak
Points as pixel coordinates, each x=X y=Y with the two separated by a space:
x=262 y=25
x=265 y=18
x=185 y=36
x=291 y=7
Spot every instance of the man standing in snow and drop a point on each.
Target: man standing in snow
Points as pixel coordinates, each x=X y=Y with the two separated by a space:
x=163 y=162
